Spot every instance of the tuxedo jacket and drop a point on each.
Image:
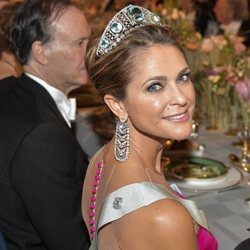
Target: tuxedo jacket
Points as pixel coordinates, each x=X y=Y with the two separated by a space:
x=244 y=31
x=42 y=169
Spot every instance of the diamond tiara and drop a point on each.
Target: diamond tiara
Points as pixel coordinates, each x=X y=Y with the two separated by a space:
x=122 y=23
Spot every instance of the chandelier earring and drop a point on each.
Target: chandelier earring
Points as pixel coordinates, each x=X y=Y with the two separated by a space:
x=121 y=140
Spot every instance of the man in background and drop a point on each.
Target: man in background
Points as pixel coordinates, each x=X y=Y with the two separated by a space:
x=233 y=16
x=205 y=19
x=42 y=166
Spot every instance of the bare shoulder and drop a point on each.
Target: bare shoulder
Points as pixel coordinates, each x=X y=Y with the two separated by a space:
x=165 y=224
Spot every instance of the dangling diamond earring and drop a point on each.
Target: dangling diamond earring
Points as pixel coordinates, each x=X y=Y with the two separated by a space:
x=121 y=141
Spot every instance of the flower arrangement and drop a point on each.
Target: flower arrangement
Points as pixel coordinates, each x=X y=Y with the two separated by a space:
x=242 y=87
x=179 y=21
x=221 y=49
x=226 y=72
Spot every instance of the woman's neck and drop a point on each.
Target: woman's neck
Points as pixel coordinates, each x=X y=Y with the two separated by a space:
x=146 y=152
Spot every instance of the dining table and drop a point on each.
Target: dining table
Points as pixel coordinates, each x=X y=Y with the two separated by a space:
x=227 y=207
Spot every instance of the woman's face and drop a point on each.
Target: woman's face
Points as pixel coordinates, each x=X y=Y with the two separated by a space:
x=160 y=98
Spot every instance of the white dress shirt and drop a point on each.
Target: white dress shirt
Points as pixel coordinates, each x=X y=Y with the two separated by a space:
x=67 y=107
x=231 y=28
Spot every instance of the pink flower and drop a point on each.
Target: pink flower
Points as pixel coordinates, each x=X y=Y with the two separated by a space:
x=243 y=89
x=239 y=48
x=238 y=44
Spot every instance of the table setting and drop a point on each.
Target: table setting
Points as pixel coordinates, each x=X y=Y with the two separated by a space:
x=202 y=174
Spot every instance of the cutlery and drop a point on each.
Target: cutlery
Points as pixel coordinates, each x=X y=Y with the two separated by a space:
x=207 y=193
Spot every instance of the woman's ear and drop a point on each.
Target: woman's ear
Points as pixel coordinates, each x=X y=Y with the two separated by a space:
x=116 y=106
x=38 y=52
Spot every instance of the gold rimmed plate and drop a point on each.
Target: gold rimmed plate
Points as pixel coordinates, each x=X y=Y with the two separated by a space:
x=200 y=173
x=196 y=169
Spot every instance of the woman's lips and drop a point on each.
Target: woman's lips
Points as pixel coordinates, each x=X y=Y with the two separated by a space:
x=183 y=117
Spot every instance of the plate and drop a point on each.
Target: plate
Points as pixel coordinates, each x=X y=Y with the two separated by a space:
x=232 y=178
x=196 y=169
x=222 y=178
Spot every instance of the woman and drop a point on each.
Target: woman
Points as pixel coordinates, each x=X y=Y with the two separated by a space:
x=141 y=73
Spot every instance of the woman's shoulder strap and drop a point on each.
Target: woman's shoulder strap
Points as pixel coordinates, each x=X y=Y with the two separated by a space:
x=128 y=199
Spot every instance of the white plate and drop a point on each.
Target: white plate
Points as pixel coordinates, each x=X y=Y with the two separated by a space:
x=233 y=177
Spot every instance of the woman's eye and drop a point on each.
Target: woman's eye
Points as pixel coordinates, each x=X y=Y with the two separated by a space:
x=184 y=78
x=80 y=42
x=154 y=87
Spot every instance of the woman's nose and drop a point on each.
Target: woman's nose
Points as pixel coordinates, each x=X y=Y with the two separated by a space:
x=178 y=96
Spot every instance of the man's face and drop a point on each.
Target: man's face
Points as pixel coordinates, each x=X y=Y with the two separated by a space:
x=66 y=52
x=223 y=12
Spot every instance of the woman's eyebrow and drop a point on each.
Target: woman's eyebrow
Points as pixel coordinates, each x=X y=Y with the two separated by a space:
x=156 y=78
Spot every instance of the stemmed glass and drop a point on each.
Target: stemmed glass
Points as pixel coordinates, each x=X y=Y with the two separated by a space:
x=245 y=152
x=197 y=147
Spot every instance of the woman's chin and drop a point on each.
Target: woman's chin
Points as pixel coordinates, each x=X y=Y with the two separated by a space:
x=181 y=134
